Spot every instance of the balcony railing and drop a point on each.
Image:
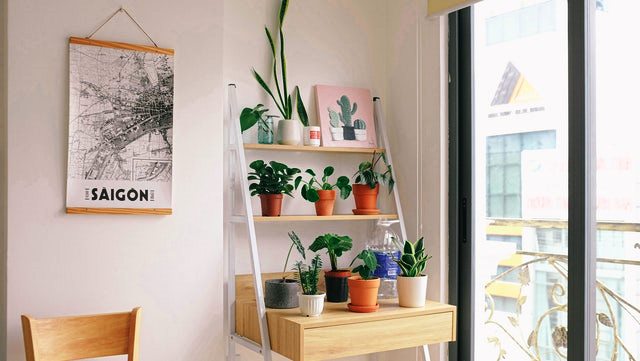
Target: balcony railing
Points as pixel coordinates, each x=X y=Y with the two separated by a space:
x=510 y=327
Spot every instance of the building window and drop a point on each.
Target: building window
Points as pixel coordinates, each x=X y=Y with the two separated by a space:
x=504 y=169
x=531 y=20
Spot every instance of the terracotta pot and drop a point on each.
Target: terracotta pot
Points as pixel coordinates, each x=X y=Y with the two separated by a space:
x=412 y=291
x=336 y=285
x=271 y=204
x=365 y=197
x=364 y=294
x=324 y=205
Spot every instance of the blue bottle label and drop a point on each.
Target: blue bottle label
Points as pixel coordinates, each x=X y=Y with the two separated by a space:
x=387 y=268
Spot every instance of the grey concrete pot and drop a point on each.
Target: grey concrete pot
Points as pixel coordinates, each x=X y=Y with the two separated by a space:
x=278 y=294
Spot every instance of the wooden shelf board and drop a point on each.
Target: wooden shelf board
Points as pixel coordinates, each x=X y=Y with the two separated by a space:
x=337 y=331
x=300 y=148
x=311 y=218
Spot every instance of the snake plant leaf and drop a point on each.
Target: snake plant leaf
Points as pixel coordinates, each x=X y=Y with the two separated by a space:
x=409 y=259
x=302 y=111
x=408 y=248
x=264 y=86
x=273 y=54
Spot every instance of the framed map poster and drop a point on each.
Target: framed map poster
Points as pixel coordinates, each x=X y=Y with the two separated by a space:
x=120 y=128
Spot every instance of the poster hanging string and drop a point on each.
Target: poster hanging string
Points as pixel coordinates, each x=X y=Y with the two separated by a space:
x=122 y=9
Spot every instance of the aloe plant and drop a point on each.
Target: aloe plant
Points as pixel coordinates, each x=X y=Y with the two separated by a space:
x=413 y=260
x=284 y=100
x=308 y=275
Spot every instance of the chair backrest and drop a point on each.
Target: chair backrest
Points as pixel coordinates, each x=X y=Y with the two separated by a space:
x=80 y=337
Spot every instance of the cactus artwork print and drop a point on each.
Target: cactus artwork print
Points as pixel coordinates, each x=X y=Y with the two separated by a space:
x=346 y=116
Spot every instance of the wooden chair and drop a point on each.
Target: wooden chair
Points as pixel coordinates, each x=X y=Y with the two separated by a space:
x=80 y=337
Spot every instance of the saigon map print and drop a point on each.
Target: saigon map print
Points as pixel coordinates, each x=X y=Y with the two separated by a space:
x=120 y=127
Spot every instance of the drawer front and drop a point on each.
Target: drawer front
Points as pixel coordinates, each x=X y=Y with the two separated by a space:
x=377 y=336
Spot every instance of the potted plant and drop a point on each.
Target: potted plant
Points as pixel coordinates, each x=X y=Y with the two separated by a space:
x=412 y=284
x=323 y=193
x=289 y=131
x=336 y=278
x=310 y=299
x=283 y=292
x=270 y=182
x=366 y=184
x=363 y=289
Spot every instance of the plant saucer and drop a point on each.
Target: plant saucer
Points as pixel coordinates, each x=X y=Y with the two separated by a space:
x=363 y=309
x=366 y=212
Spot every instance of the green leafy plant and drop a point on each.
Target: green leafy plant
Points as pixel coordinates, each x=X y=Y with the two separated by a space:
x=335 y=246
x=297 y=243
x=368 y=266
x=283 y=101
x=413 y=260
x=271 y=178
x=367 y=172
x=308 y=275
x=311 y=187
x=250 y=116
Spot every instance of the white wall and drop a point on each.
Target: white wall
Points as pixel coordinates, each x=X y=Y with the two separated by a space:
x=75 y=264
x=172 y=266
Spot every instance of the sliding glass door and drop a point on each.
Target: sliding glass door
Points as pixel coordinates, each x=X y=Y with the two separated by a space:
x=520 y=121
x=618 y=181
x=545 y=266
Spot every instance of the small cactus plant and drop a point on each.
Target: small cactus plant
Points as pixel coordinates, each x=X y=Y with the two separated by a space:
x=334 y=118
x=346 y=110
x=360 y=124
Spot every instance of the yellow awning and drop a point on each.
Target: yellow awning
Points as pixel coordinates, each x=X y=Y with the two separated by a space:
x=504 y=289
x=443 y=7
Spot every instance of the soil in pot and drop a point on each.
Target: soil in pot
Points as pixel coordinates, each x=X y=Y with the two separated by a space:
x=281 y=294
x=324 y=205
x=271 y=204
x=364 y=294
x=337 y=285
x=349 y=133
x=366 y=199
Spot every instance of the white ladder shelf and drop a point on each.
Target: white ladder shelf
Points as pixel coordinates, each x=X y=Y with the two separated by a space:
x=236 y=174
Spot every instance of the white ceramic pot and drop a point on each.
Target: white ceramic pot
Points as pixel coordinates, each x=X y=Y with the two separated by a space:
x=412 y=291
x=337 y=133
x=289 y=131
x=361 y=134
x=312 y=136
x=311 y=305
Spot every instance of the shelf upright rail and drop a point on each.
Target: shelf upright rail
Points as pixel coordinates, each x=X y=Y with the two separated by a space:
x=382 y=129
x=238 y=176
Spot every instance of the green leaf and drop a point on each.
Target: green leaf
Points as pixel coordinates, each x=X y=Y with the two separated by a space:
x=312 y=195
x=273 y=55
x=302 y=111
x=248 y=118
x=408 y=248
x=311 y=172
x=297 y=182
x=264 y=86
x=408 y=259
x=257 y=164
x=345 y=191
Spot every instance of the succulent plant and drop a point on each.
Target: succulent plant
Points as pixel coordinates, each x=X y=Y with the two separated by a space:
x=334 y=118
x=346 y=110
x=413 y=260
x=360 y=124
x=308 y=275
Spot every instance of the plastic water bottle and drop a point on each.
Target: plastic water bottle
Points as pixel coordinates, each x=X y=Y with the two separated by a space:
x=384 y=244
